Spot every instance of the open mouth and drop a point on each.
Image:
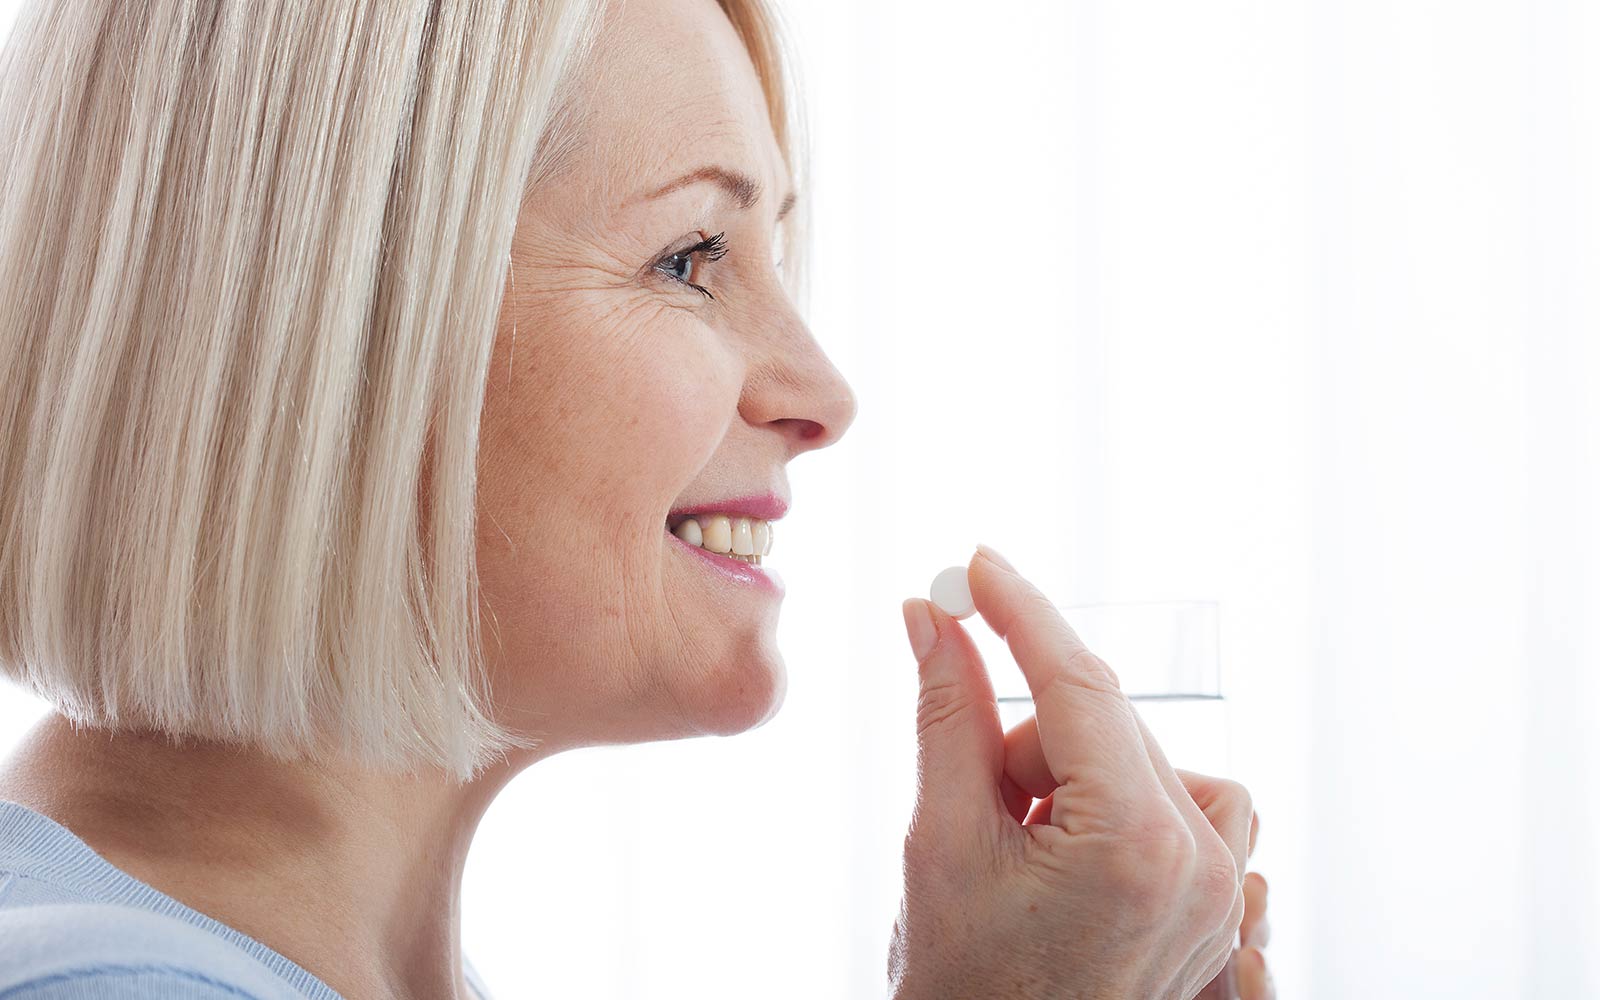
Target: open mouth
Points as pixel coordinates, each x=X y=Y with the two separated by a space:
x=732 y=536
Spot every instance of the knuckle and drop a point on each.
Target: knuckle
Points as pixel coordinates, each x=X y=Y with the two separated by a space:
x=1038 y=607
x=1217 y=881
x=1154 y=866
x=1217 y=878
x=1083 y=669
x=1237 y=796
x=938 y=704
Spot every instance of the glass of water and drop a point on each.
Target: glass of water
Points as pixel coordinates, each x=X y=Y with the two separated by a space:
x=1166 y=654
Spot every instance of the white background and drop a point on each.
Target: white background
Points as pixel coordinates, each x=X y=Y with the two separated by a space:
x=1290 y=305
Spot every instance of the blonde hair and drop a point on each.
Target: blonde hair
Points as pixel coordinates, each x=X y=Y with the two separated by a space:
x=252 y=257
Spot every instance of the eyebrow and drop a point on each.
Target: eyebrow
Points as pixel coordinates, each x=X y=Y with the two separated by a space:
x=744 y=190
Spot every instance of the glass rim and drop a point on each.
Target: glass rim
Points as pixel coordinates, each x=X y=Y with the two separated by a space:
x=1137 y=683
x=1178 y=602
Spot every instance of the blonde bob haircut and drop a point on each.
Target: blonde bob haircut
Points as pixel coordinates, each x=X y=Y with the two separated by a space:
x=252 y=255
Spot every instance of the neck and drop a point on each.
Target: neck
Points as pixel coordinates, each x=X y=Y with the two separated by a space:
x=353 y=875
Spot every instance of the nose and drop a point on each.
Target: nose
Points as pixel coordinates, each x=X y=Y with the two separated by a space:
x=794 y=388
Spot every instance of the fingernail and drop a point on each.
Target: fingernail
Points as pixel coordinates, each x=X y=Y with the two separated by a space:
x=919 y=627
x=995 y=557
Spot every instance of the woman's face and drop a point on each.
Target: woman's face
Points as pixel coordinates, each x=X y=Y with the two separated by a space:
x=618 y=393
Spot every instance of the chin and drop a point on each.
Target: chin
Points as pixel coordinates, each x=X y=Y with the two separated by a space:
x=744 y=698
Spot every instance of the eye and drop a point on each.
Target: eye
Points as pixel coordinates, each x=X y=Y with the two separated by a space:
x=679 y=265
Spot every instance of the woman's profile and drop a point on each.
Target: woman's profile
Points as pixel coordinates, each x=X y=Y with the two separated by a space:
x=397 y=395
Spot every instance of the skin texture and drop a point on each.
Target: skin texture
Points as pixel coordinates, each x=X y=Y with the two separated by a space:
x=1027 y=777
x=615 y=394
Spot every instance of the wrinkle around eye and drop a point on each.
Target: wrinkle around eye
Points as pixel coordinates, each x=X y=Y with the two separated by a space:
x=561 y=251
x=603 y=276
x=577 y=269
x=643 y=329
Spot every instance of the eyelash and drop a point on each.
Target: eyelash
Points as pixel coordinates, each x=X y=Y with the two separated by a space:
x=712 y=249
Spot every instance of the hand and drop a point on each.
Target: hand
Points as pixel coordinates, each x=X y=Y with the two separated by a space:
x=1126 y=887
x=1027 y=776
x=1246 y=976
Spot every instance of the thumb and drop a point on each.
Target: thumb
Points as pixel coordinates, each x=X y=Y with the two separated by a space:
x=960 y=745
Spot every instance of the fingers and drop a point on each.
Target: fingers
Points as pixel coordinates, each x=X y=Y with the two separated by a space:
x=1027 y=769
x=1025 y=763
x=1088 y=733
x=1255 y=982
x=1027 y=772
x=959 y=747
x=1226 y=805
x=1254 y=931
x=1016 y=799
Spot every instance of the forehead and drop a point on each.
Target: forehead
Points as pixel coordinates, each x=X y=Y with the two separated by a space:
x=670 y=86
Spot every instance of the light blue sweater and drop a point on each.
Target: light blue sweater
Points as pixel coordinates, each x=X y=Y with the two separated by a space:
x=73 y=926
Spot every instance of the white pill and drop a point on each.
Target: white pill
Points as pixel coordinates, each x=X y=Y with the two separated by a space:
x=950 y=592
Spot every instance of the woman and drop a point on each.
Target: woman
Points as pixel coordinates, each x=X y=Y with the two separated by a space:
x=363 y=363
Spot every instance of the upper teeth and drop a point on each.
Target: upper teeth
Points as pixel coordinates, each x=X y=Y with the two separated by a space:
x=740 y=536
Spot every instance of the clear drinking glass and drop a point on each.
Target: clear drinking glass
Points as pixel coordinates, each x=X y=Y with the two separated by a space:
x=1166 y=654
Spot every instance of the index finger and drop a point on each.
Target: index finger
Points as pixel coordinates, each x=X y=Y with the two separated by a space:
x=1027 y=770
x=1087 y=728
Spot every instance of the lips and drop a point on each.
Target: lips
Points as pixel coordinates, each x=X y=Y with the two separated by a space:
x=766 y=506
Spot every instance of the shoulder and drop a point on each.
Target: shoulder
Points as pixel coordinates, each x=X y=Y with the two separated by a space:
x=91 y=951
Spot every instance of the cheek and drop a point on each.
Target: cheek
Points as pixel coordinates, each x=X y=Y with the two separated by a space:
x=595 y=420
x=664 y=401
x=680 y=409
x=620 y=406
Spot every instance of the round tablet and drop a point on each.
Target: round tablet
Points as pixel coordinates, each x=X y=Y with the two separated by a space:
x=950 y=592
